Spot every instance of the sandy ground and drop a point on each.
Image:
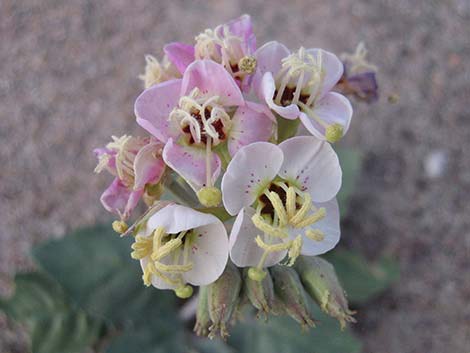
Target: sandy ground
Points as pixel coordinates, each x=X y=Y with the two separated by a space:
x=68 y=81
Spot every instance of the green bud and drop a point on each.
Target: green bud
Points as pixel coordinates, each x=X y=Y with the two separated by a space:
x=203 y=320
x=321 y=283
x=209 y=196
x=291 y=294
x=223 y=299
x=260 y=293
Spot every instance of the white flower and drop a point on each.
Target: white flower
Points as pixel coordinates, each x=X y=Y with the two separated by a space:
x=285 y=200
x=180 y=245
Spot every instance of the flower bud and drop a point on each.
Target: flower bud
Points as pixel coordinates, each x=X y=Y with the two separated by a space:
x=260 y=293
x=291 y=294
x=202 y=314
x=223 y=299
x=209 y=196
x=321 y=283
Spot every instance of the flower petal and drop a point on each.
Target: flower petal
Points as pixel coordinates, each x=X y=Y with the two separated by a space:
x=332 y=66
x=152 y=108
x=244 y=251
x=209 y=253
x=242 y=27
x=267 y=93
x=190 y=163
x=269 y=56
x=313 y=164
x=180 y=55
x=332 y=108
x=118 y=199
x=330 y=228
x=148 y=165
x=252 y=167
x=212 y=79
x=250 y=123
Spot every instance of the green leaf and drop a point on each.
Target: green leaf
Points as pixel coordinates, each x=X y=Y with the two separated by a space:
x=282 y=334
x=95 y=269
x=361 y=279
x=351 y=161
x=55 y=326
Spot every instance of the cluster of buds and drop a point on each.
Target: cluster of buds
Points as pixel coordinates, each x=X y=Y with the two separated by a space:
x=250 y=194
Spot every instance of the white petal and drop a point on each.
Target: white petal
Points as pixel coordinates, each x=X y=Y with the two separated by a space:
x=252 y=167
x=332 y=108
x=332 y=67
x=330 y=228
x=244 y=252
x=177 y=218
x=266 y=93
x=157 y=282
x=209 y=254
x=269 y=56
x=313 y=164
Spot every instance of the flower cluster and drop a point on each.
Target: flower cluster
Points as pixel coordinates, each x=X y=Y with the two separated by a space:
x=239 y=145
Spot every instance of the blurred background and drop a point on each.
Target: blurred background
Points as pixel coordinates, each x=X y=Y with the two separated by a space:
x=68 y=80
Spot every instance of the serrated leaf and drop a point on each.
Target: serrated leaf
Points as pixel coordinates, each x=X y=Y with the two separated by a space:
x=282 y=334
x=54 y=325
x=350 y=161
x=95 y=268
x=361 y=279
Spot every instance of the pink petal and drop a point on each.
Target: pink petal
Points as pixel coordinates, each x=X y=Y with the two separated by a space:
x=180 y=54
x=251 y=123
x=111 y=165
x=152 y=108
x=148 y=165
x=190 y=163
x=267 y=90
x=269 y=56
x=212 y=79
x=242 y=27
x=118 y=199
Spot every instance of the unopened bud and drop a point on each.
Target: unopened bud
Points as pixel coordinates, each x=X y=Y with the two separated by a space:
x=203 y=320
x=120 y=227
x=291 y=294
x=334 y=133
x=320 y=281
x=209 y=196
x=223 y=299
x=260 y=293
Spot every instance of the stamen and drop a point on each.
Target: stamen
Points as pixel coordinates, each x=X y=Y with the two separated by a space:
x=278 y=207
x=294 y=251
x=173 y=268
x=265 y=227
x=317 y=216
x=306 y=206
x=142 y=247
x=291 y=198
x=315 y=234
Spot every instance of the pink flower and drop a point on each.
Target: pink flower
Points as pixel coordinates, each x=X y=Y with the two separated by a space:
x=203 y=111
x=299 y=85
x=231 y=44
x=136 y=164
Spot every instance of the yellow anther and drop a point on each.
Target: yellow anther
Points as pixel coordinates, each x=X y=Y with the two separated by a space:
x=184 y=292
x=302 y=213
x=166 y=249
x=173 y=268
x=120 y=227
x=247 y=64
x=149 y=270
x=158 y=235
x=290 y=202
x=265 y=227
x=318 y=215
x=276 y=202
x=142 y=247
x=315 y=234
x=294 y=251
x=334 y=133
x=209 y=196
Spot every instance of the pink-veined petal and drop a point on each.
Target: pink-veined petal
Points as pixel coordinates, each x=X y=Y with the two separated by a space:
x=180 y=55
x=252 y=168
x=332 y=108
x=148 y=165
x=313 y=164
x=251 y=123
x=244 y=252
x=267 y=93
x=152 y=108
x=213 y=80
x=332 y=68
x=190 y=163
